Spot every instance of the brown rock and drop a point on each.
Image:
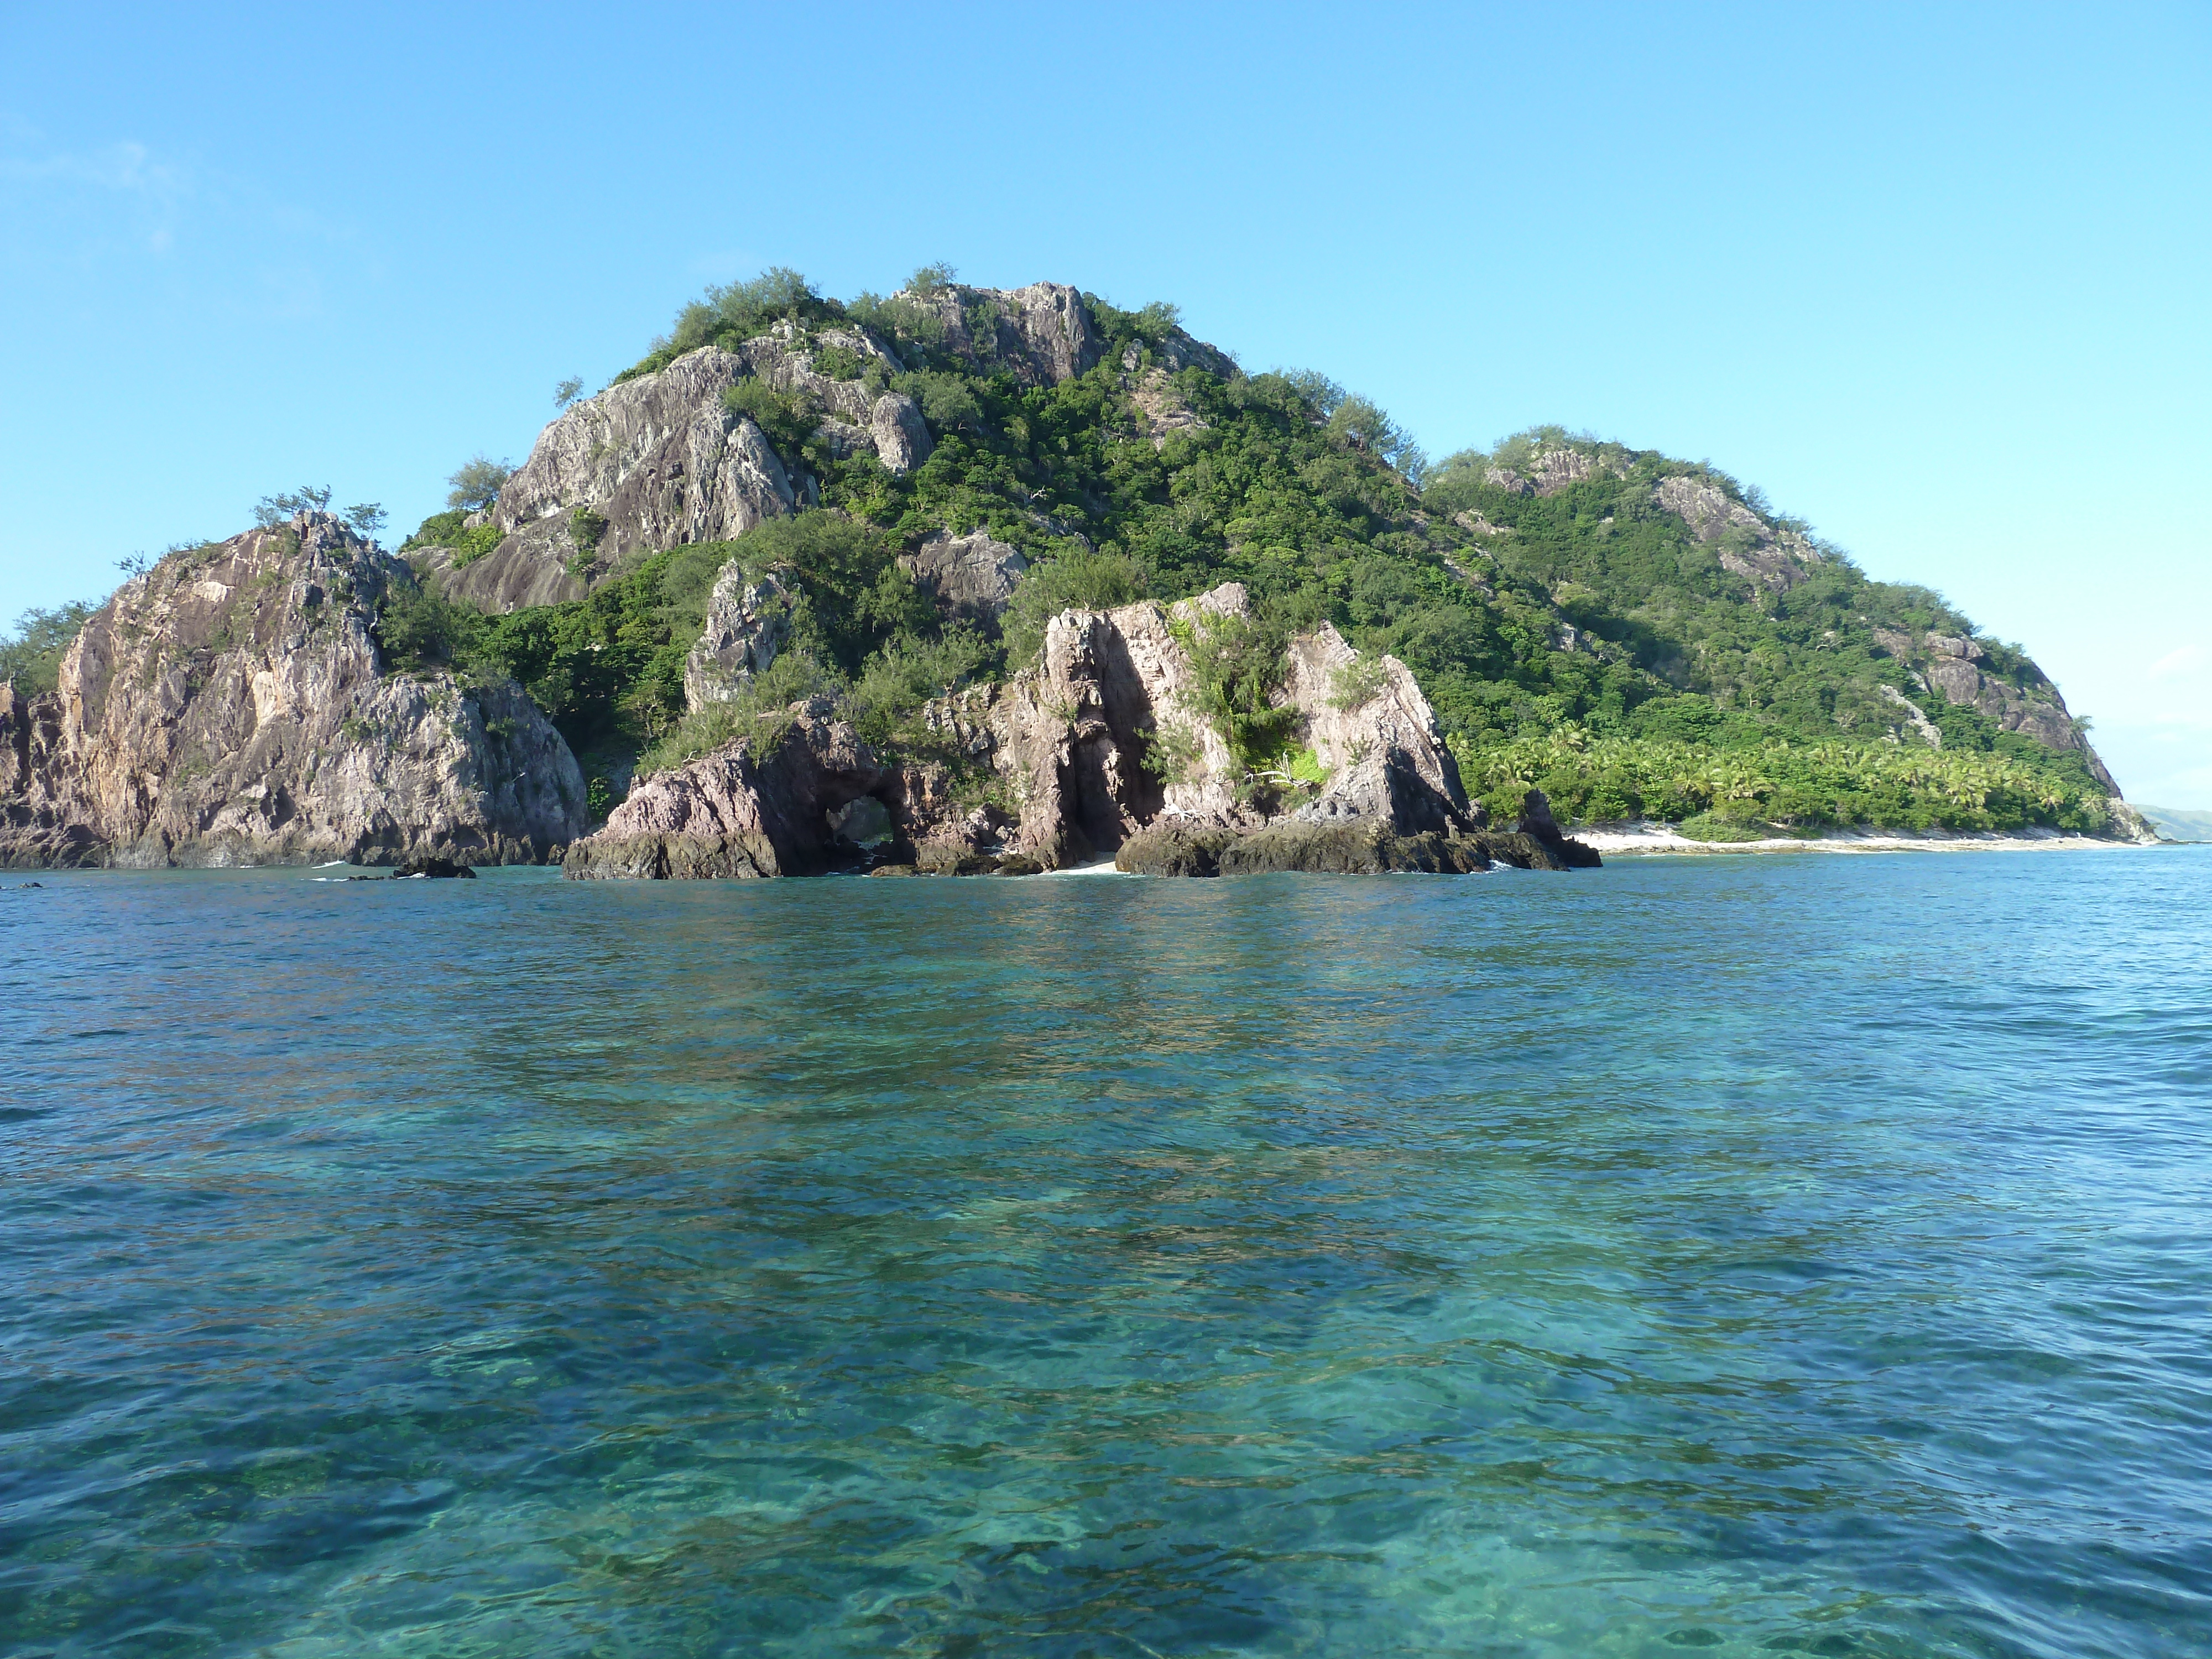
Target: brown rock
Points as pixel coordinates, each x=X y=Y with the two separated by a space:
x=230 y=705
x=758 y=806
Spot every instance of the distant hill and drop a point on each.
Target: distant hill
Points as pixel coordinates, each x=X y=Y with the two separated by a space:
x=2172 y=824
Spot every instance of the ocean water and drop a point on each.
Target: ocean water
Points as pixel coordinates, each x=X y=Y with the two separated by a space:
x=1761 y=1256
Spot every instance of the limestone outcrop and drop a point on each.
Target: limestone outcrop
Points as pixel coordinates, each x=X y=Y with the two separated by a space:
x=771 y=803
x=231 y=705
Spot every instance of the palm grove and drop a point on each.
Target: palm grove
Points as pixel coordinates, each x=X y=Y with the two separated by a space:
x=1580 y=638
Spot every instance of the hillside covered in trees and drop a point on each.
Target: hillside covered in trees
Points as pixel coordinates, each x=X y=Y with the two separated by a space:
x=1640 y=636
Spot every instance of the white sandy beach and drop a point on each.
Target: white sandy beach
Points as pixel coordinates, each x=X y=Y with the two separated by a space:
x=1614 y=840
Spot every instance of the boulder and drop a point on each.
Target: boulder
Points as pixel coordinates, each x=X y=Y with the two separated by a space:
x=232 y=706
x=970 y=577
x=761 y=805
x=902 y=441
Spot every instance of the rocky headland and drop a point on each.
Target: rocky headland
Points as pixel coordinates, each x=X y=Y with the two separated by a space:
x=231 y=705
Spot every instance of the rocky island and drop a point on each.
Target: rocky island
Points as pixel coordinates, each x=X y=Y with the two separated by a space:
x=966 y=581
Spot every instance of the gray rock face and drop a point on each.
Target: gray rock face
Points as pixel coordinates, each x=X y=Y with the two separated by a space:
x=1550 y=471
x=1162 y=408
x=1041 y=334
x=660 y=461
x=761 y=806
x=230 y=707
x=748 y=620
x=658 y=458
x=1915 y=716
x=1105 y=737
x=971 y=577
x=1953 y=667
x=1378 y=737
x=1749 y=547
x=1179 y=352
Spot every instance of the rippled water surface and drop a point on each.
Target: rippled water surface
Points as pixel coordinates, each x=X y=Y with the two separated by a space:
x=1740 y=1255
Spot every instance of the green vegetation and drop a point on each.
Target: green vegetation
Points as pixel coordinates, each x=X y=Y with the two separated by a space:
x=31 y=657
x=1585 y=639
x=476 y=483
x=1238 y=665
x=447 y=529
x=1789 y=785
x=272 y=511
x=608 y=669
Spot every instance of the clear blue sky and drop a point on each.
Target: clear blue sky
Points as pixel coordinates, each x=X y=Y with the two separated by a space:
x=1935 y=278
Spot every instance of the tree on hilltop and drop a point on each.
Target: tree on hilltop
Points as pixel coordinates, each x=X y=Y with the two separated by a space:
x=477 y=483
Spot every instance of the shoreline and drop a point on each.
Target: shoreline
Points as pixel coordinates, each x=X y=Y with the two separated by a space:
x=1650 y=840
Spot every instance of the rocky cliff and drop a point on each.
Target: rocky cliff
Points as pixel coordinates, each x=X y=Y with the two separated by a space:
x=1108 y=736
x=663 y=459
x=1959 y=669
x=231 y=705
x=762 y=807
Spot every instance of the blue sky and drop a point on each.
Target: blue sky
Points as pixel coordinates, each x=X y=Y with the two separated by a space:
x=1935 y=278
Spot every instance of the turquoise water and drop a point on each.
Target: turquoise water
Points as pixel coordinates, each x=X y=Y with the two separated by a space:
x=1738 y=1256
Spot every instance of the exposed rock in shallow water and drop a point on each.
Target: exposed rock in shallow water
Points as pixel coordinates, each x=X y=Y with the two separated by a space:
x=433 y=869
x=230 y=707
x=1067 y=758
x=759 y=806
x=1539 y=827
